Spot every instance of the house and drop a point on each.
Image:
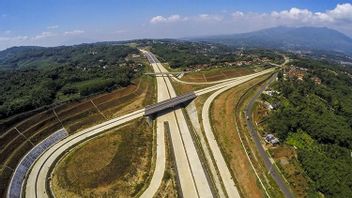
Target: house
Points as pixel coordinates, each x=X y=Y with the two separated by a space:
x=296 y=73
x=271 y=92
x=136 y=55
x=271 y=139
x=316 y=80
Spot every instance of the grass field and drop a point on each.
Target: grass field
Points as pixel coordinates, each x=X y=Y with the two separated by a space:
x=114 y=164
x=74 y=116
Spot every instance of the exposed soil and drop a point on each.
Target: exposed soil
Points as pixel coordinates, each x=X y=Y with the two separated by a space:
x=215 y=74
x=286 y=159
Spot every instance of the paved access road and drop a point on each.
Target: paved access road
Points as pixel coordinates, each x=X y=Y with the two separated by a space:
x=268 y=164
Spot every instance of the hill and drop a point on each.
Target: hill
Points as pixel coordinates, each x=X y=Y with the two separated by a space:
x=288 y=38
x=83 y=55
x=32 y=77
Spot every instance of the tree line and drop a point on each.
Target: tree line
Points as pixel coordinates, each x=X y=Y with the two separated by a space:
x=317 y=119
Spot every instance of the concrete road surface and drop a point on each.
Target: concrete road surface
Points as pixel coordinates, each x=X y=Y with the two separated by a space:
x=192 y=178
x=225 y=174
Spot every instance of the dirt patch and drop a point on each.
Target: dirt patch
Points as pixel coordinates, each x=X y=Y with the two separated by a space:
x=286 y=159
x=214 y=74
x=114 y=164
x=194 y=77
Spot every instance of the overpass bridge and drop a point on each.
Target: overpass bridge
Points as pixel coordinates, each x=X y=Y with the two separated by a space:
x=162 y=74
x=167 y=73
x=151 y=110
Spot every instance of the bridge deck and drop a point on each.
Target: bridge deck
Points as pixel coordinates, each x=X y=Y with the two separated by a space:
x=166 y=104
x=158 y=73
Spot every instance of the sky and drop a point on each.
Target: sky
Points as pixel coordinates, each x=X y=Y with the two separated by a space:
x=66 y=22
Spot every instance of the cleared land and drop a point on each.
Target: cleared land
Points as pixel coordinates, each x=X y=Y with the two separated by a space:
x=222 y=115
x=116 y=163
x=74 y=116
x=217 y=74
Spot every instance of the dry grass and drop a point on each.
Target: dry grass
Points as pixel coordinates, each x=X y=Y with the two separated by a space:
x=222 y=115
x=115 y=164
x=249 y=144
x=214 y=74
x=286 y=159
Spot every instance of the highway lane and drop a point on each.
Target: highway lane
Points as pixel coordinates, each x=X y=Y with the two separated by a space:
x=225 y=174
x=191 y=174
x=267 y=162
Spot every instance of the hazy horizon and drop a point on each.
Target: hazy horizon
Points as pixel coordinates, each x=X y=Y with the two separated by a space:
x=55 y=23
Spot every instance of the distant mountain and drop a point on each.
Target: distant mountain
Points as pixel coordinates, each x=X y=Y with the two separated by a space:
x=288 y=38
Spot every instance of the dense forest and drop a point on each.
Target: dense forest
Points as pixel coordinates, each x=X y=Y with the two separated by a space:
x=186 y=54
x=317 y=120
x=35 y=76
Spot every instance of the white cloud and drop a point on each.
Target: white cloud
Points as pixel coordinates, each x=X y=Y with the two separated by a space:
x=338 y=16
x=237 y=14
x=172 y=18
x=294 y=14
x=14 y=39
x=52 y=27
x=43 y=35
x=208 y=17
x=342 y=11
x=157 y=19
x=74 y=32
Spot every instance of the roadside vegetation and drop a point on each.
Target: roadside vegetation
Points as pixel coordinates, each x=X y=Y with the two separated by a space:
x=116 y=163
x=316 y=119
x=33 y=77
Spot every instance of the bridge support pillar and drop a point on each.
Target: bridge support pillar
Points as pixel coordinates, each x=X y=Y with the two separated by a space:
x=150 y=119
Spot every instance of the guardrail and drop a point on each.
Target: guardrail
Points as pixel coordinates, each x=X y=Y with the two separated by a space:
x=15 y=186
